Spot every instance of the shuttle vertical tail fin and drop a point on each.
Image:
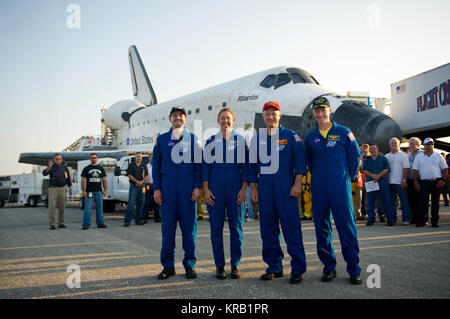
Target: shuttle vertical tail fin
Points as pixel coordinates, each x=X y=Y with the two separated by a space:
x=142 y=88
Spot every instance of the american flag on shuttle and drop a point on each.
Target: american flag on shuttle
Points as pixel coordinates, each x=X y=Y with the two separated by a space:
x=400 y=88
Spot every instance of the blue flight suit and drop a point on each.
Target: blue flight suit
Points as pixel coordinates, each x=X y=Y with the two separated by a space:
x=225 y=169
x=275 y=202
x=334 y=162
x=176 y=172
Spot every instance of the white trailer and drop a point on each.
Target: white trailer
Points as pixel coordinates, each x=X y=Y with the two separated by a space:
x=23 y=189
x=421 y=103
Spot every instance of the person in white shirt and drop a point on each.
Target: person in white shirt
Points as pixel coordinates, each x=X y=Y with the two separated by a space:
x=149 y=201
x=444 y=190
x=399 y=164
x=413 y=194
x=433 y=171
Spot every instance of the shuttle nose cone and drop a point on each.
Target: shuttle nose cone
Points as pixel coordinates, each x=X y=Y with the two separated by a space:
x=367 y=124
x=384 y=131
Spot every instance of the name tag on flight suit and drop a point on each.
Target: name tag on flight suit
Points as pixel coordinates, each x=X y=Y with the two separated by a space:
x=331 y=143
x=332 y=139
x=281 y=144
x=184 y=147
x=231 y=146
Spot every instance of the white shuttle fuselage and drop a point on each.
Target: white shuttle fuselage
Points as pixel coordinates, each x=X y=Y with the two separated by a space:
x=135 y=124
x=244 y=96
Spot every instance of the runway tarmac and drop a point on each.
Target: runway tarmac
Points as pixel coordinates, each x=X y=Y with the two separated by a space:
x=118 y=262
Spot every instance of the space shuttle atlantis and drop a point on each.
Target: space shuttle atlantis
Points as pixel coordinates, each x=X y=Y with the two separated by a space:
x=134 y=124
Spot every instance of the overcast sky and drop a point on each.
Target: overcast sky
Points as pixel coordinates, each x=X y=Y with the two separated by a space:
x=54 y=79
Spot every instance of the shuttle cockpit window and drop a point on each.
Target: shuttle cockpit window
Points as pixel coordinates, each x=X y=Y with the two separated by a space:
x=268 y=81
x=301 y=76
x=296 y=78
x=295 y=75
x=277 y=80
x=282 y=79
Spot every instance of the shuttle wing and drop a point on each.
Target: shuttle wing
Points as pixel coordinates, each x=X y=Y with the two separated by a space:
x=142 y=88
x=70 y=158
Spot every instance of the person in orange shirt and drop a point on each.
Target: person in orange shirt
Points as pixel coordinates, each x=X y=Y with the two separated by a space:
x=365 y=153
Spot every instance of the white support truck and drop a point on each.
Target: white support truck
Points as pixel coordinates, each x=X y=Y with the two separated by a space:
x=116 y=178
x=23 y=189
x=421 y=103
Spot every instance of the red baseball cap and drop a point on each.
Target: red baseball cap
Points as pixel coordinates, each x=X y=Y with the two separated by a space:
x=271 y=104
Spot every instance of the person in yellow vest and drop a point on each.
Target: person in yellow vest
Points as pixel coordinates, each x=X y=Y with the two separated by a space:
x=305 y=201
x=356 y=196
x=200 y=212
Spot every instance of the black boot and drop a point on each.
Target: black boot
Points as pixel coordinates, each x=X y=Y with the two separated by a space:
x=166 y=273
x=220 y=273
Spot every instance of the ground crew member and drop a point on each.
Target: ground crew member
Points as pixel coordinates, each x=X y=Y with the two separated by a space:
x=200 y=212
x=305 y=200
x=277 y=163
x=59 y=180
x=177 y=158
x=433 y=172
x=376 y=168
x=333 y=157
x=93 y=177
x=137 y=174
x=356 y=195
x=224 y=177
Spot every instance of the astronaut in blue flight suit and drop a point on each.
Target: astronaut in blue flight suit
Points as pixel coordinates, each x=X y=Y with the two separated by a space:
x=224 y=177
x=177 y=158
x=334 y=157
x=277 y=162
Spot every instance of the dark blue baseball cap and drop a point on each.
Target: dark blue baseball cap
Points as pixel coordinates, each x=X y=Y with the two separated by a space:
x=177 y=108
x=320 y=102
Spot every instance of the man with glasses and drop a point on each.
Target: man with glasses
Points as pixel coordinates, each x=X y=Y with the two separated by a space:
x=93 y=177
x=59 y=180
x=432 y=169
